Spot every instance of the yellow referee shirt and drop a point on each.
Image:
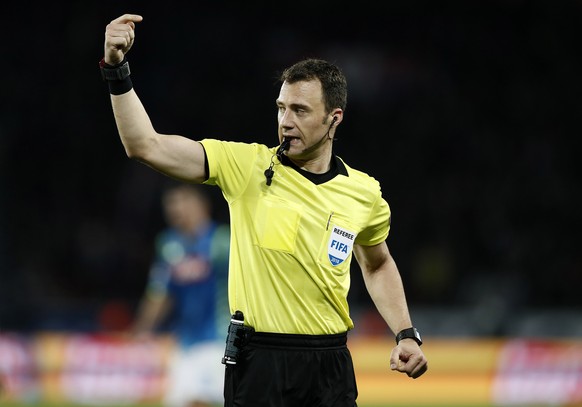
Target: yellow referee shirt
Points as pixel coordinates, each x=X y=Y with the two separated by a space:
x=292 y=241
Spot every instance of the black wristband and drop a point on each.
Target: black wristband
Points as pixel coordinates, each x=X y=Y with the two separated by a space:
x=116 y=76
x=120 y=87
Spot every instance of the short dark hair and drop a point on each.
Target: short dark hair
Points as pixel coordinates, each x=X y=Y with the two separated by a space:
x=333 y=82
x=172 y=184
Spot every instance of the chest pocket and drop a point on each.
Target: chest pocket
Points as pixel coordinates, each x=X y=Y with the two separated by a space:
x=276 y=223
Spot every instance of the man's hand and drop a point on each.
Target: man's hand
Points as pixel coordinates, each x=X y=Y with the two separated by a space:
x=119 y=37
x=407 y=358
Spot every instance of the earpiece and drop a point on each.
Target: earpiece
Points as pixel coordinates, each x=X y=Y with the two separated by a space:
x=333 y=120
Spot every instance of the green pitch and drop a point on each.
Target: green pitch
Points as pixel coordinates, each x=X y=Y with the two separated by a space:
x=11 y=404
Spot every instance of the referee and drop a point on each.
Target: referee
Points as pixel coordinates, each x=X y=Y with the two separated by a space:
x=298 y=215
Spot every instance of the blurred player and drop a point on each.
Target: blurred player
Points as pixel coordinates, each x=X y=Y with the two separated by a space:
x=187 y=288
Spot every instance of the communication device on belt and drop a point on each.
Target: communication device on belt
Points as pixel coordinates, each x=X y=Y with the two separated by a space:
x=234 y=338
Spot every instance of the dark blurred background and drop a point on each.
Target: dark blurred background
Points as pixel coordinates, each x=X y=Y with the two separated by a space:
x=468 y=113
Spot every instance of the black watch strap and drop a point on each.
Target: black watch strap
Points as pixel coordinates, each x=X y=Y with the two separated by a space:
x=114 y=72
x=411 y=333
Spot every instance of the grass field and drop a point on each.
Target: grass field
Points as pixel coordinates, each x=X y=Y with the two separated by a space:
x=9 y=404
x=41 y=404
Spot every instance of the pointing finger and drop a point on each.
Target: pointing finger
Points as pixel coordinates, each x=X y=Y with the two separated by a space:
x=128 y=18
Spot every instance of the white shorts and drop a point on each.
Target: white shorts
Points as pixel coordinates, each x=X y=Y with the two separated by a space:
x=196 y=374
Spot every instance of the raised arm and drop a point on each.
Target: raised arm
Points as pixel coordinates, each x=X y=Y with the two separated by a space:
x=173 y=155
x=384 y=284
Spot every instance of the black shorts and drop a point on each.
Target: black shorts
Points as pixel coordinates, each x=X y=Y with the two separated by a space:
x=287 y=370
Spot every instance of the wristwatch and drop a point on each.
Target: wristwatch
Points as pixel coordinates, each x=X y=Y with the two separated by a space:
x=411 y=333
x=114 y=72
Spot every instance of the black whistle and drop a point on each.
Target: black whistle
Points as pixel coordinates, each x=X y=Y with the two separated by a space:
x=284 y=146
x=269 y=175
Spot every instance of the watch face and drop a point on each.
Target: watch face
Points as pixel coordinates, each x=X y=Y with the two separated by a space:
x=411 y=333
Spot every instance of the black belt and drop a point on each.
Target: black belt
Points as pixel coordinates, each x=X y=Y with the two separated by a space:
x=276 y=340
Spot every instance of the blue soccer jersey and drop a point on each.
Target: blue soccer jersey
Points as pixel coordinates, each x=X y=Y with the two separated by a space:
x=193 y=271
